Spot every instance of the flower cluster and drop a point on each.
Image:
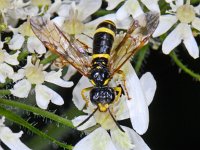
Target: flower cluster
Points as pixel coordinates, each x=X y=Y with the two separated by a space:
x=135 y=108
x=9 y=138
x=185 y=16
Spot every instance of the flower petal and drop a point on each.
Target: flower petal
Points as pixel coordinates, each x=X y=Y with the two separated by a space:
x=196 y=23
x=190 y=42
x=166 y=22
x=136 y=139
x=137 y=105
x=70 y=72
x=25 y=29
x=148 y=84
x=63 y=10
x=87 y=7
x=121 y=140
x=122 y=13
x=45 y=94
x=130 y=7
x=54 y=77
x=12 y=139
x=181 y=32
x=76 y=121
x=12 y=59
x=99 y=139
x=151 y=5
x=120 y=109
x=1 y=44
x=112 y=4
x=21 y=89
x=5 y=71
x=77 y=98
x=35 y=45
x=16 y=42
x=197 y=9
x=54 y=7
x=172 y=40
x=2 y=78
x=17 y=76
x=59 y=21
x=2 y=120
x=179 y=3
x=91 y=26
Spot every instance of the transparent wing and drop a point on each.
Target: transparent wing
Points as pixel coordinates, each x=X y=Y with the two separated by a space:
x=134 y=39
x=67 y=47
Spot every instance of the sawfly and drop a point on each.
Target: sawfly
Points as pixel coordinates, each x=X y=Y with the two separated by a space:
x=105 y=60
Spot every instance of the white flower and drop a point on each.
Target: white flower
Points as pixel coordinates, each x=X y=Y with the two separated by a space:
x=141 y=93
x=16 y=42
x=185 y=14
x=101 y=140
x=21 y=10
x=5 y=59
x=132 y=7
x=13 y=10
x=34 y=45
x=10 y=139
x=75 y=15
x=34 y=75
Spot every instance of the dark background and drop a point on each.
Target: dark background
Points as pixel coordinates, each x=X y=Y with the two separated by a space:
x=174 y=112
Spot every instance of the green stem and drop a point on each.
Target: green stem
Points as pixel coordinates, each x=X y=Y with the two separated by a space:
x=103 y=12
x=183 y=67
x=38 y=111
x=140 y=58
x=17 y=119
x=23 y=55
x=4 y=92
x=49 y=59
x=54 y=131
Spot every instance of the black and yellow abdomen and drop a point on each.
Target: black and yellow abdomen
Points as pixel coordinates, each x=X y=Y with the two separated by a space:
x=102 y=44
x=103 y=39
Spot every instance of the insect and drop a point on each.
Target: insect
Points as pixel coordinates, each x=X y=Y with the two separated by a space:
x=105 y=61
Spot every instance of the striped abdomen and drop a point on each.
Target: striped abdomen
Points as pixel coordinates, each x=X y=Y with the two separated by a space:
x=103 y=39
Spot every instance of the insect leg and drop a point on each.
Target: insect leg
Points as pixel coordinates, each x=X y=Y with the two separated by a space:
x=87 y=36
x=83 y=95
x=124 y=82
x=119 y=90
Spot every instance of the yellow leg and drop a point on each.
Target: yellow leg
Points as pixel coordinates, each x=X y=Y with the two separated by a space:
x=83 y=95
x=124 y=80
x=119 y=90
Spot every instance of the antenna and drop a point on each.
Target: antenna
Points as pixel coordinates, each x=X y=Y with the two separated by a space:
x=87 y=118
x=118 y=125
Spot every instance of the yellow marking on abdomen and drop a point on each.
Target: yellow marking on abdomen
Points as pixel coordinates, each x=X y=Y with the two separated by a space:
x=109 y=22
x=107 y=56
x=107 y=30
